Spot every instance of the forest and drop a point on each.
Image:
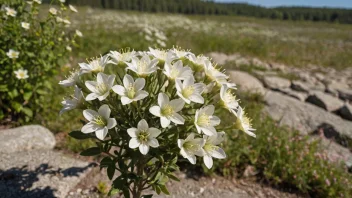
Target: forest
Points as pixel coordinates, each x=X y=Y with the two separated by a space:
x=335 y=15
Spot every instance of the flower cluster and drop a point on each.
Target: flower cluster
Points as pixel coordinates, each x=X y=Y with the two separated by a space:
x=34 y=45
x=163 y=102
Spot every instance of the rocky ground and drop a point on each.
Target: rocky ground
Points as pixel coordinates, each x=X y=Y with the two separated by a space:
x=316 y=101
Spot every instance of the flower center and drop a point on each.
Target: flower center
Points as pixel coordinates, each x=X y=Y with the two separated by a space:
x=143 y=136
x=203 y=120
x=167 y=110
x=100 y=121
x=209 y=147
x=174 y=73
x=96 y=66
x=142 y=66
x=102 y=89
x=130 y=91
x=229 y=97
x=188 y=91
x=189 y=146
x=21 y=74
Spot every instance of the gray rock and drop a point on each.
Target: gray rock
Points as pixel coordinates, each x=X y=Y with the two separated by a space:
x=319 y=86
x=26 y=138
x=325 y=101
x=219 y=58
x=298 y=85
x=295 y=94
x=302 y=116
x=274 y=82
x=346 y=111
x=246 y=82
x=334 y=86
x=320 y=76
x=345 y=93
x=39 y=173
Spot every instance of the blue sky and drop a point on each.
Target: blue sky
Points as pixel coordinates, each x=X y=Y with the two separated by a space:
x=313 y=3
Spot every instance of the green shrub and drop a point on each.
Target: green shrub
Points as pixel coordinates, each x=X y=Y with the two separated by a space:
x=283 y=157
x=32 y=47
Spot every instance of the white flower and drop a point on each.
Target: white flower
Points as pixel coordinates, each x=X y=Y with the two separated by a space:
x=143 y=137
x=123 y=57
x=71 y=79
x=99 y=122
x=143 y=66
x=73 y=9
x=190 y=147
x=66 y=21
x=205 y=121
x=161 y=43
x=59 y=19
x=96 y=65
x=198 y=60
x=79 y=33
x=148 y=38
x=12 y=54
x=10 y=12
x=73 y=102
x=101 y=88
x=162 y=55
x=243 y=123
x=227 y=98
x=62 y=1
x=131 y=90
x=167 y=110
x=213 y=73
x=211 y=149
x=190 y=91
x=177 y=71
x=68 y=48
x=25 y=25
x=21 y=74
x=38 y=1
x=53 y=11
x=180 y=53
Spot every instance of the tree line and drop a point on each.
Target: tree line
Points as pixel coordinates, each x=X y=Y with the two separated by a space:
x=209 y=7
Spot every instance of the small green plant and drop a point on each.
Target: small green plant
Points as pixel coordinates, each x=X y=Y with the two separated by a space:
x=283 y=157
x=32 y=47
x=146 y=108
x=103 y=188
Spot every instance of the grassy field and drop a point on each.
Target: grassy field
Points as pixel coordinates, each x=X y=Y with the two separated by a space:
x=297 y=44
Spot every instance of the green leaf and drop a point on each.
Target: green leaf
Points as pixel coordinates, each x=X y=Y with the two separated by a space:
x=91 y=151
x=27 y=95
x=3 y=88
x=27 y=111
x=105 y=162
x=111 y=171
x=157 y=189
x=147 y=196
x=126 y=192
x=173 y=177
x=164 y=189
x=16 y=106
x=79 y=135
x=41 y=92
x=113 y=191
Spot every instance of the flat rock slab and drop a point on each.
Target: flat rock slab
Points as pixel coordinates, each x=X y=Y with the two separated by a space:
x=346 y=112
x=302 y=116
x=325 y=101
x=26 y=138
x=274 y=82
x=39 y=173
x=295 y=94
x=246 y=82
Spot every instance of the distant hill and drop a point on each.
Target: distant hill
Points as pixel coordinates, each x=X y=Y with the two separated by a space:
x=213 y=8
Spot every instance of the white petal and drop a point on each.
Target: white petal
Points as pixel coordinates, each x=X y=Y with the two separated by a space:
x=188 y=81
x=153 y=142
x=197 y=98
x=155 y=110
x=141 y=95
x=134 y=143
x=104 y=111
x=142 y=125
x=101 y=77
x=192 y=159
x=214 y=121
x=209 y=131
x=101 y=133
x=90 y=114
x=133 y=132
x=89 y=128
x=125 y=100
x=177 y=104
x=163 y=99
x=164 y=122
x=139 y=84
x=144 y=148
x=92 y=96
x=209 y=110
x=208 y=161
x=127 y=80
x=110 y=81
x=190 y=137
x=199 y=87
x=154 y=132
x=177 y=119
x=178 y=85
x=180 y=143
x=111 y=123
x=103 y=97
x=218 y=153
x=119 y=90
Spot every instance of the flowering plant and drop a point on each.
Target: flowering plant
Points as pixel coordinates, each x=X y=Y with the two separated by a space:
x=31 y=48
x=145 y=108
